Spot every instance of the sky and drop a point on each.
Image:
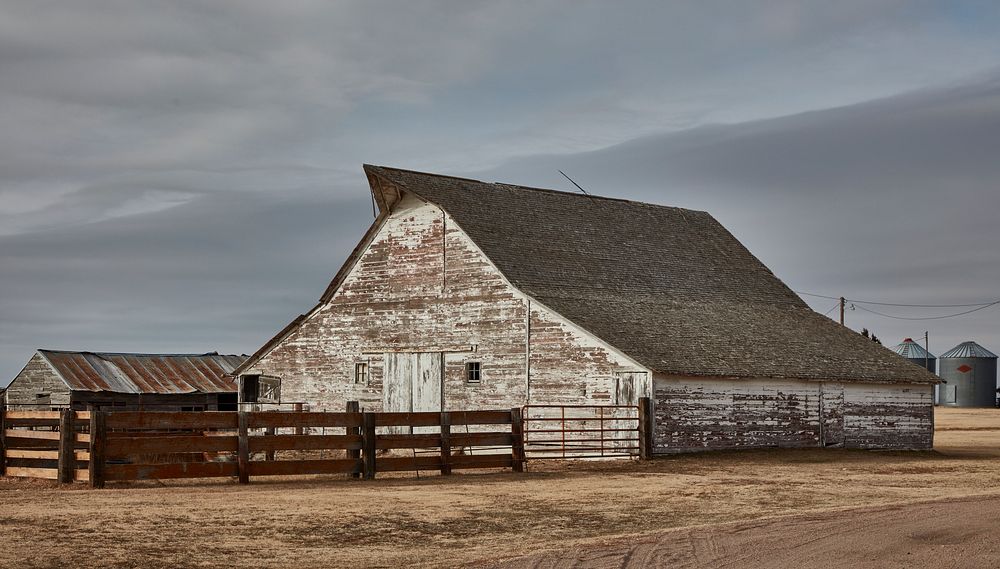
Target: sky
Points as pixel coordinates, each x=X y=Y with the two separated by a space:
x=186 y=176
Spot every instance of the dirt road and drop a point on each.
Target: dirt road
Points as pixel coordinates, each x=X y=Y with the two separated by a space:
x=960 y=534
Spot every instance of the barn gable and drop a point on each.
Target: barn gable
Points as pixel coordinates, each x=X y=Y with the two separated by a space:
x=418 y=284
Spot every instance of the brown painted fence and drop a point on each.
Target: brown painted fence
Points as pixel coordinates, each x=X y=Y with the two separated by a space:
x=161 y=445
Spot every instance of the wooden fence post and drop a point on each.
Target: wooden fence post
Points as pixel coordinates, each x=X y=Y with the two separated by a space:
x=3 y=441
x=243 y=449
x=67 y=452
x=445 y=443
x=298 y=409
x=645 y=428
x=368 y=445
x=269 y=432
x=517 y=442
x=354 y=407
x=98 y=440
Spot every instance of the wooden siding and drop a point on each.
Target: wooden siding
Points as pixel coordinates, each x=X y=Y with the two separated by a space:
x=37 y=377
x=708 y=414
x=423 y=286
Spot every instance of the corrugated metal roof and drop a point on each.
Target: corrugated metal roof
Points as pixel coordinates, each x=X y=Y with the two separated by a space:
x=145 y=373
x=912 y=350
x=968 y=350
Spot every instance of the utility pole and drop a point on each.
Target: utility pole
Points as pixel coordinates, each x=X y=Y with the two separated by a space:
x=927 y=352
x=842 y=302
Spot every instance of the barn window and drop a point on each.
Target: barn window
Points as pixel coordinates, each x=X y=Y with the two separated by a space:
x=361 y=373
x=473 y=374
x=260 y=389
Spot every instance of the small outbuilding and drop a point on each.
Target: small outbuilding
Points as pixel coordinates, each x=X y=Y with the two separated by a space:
x=163 y=382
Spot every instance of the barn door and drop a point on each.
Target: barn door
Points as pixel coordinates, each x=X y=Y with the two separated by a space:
x=629 y=387
x=412 y=382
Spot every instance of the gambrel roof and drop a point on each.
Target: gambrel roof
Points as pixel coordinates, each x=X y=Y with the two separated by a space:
x=144 y=373
x=669 y=287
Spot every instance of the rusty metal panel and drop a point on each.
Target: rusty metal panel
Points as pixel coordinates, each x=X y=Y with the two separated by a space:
x=145 y=373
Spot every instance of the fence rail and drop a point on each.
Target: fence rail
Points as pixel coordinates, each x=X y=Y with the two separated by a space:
x=45 y=444
x=588 y=431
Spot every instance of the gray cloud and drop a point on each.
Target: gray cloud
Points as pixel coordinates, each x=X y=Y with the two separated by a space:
x=186 y=176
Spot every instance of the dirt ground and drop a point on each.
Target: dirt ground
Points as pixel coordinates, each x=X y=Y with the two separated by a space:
x=556 y=512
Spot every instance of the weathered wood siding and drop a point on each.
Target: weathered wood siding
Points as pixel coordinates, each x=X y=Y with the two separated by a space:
x=423 y=286
x=705 y=414
x=37 y=377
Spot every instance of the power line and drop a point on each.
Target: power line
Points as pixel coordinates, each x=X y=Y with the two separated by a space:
x=574 y=183
x=856 y=301
x=928 y=317
x=832 y=308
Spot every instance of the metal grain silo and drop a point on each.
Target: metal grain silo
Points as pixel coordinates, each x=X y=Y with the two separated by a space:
x=970 y=373
x=921 y=357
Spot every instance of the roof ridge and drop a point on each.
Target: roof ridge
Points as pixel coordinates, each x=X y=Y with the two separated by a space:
x=537 y=189
x=140 y=354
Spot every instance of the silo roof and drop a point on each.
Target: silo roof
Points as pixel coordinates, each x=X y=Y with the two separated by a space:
x=968 y=350
x=912 y=350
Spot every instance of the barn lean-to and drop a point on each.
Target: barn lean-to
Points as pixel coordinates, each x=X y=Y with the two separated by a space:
x=466 y=295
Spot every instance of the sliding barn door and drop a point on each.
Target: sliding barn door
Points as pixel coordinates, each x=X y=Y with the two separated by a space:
x=413 y=382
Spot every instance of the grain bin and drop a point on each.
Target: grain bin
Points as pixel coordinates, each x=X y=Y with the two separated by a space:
x=916 y=354
x=970 y=373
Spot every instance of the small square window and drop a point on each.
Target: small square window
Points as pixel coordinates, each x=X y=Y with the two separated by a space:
x=361 y=373
x=473 y=373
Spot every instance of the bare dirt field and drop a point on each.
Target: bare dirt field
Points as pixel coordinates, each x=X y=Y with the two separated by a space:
x=733 y=506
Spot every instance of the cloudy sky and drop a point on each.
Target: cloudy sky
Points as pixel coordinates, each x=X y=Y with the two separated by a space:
x=186 y=176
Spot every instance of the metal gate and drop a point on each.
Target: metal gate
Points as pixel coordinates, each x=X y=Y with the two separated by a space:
x=581 y=431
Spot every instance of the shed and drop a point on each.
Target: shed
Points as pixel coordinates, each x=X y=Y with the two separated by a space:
x=166 y=382
x=466 y=294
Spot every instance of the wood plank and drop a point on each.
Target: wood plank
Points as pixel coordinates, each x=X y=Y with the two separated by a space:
x=54 y=415
x=265 y=419
x=480 y=417
x=482 y=439
x=352 y=407
x=126 y=446
x=22 y=434
x=31 y=423
x=445 y=443
x=42 y=454
x=415 y=419
x=82 y=437
x=383 y=442
x=368 y=445
x=25 y=472
x=483 y=461
x=81 y=455
x=67 y=462
x=81 y=475
x=398 y=464
x=305 y=442
x=168 y=471
x=172 y=420
x=98 y=441
x=243 y=448
x=82 y=415
x=3 y=440
x=299 y=467
x=517 y=439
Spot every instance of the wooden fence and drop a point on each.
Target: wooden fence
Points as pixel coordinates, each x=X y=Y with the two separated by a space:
x=45 y=444
x=144 y=445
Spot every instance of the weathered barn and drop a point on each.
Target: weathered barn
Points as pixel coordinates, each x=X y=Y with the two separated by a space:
x=167 y=382
x=465 y=294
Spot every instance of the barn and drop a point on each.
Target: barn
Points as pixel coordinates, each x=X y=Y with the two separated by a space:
x=163 y=382
x=464 y=294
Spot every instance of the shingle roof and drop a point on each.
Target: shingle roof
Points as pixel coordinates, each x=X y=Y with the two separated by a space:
x=968 y=350
x=670 y=287
x=912 y=350
x=145 y=373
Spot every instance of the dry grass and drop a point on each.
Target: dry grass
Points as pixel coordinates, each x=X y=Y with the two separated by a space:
x=434 y=521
